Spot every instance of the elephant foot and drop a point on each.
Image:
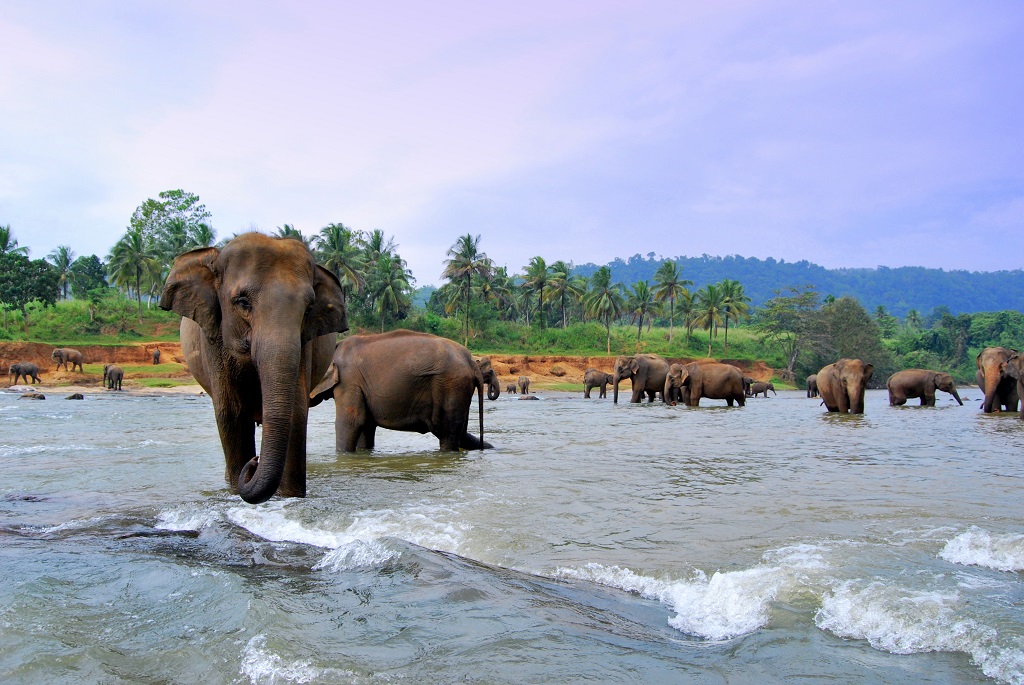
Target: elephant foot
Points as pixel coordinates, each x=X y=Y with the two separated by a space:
x=471 y=442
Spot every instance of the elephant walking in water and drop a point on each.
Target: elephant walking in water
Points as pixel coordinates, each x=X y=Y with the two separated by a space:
x=63 y=356
x=758 y=388
x=490 y=377
x=842 y=385
x=1000 y=389
x=922 y=383
x=596 y=379
x=812 y=385
x=405 y=381
x=646 y=372
x=687 y=383
x=258 y=330
x=1014 y=368
x=112 y=376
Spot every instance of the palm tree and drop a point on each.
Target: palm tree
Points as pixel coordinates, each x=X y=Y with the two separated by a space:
x=202 y=236
x=133 y=262
x=734 y=300
x=289 y=231
x=641 y=306
x=391 y=287
x=8 y=243
x=563 y=287
x=537 y=280
x=502 y=290
x=913 y=319
x=670 y=286
x=465 y=261
x=688 y=308
x=710 y=308
x=604 y=301
x=63 y=257
x=376 y=244
x=338 y=253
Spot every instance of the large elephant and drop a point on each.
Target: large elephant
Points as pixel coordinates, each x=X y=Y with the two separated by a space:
x=687 y=383
x=26 y=370
x=64 y=355
x=760 y=387
x=999 y=388
x=596 y=379
x=260 y=318
x=842 y=385
x=646 y=372
x=812 y=385
x=524 y=385
x=922 y=383
x=490 y=377
x=1014 y=368
x=112 y=376
x=402 y=380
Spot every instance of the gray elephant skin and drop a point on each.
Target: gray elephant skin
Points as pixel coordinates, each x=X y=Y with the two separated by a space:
x=24 y=370
x=524 y=385
x=405 y=381
x=112 y=376
x=593 y=378
x=63 y=356
x=688 y=383
x=812 y=385
x=999 y=388
x=490 y=377
x=511 y=388
x=259 y=328
x=1014 y=368
x=923 y=383
x=646 y=372
x=760 y=387
x=156 y=356
x=842 y=385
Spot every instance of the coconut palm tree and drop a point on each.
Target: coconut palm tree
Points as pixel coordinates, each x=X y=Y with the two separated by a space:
x=563 y=288
x=710 y=310
x=133 y=263
x=391 y=287
x=735 y=303
x=63 y=257
x=913 y=319
x=8 y=243
x=537 y=273
x=465 y=261
x=641 y=306
x=669 y=287
x=289 y=231
x=604 y=301
x=337 y=252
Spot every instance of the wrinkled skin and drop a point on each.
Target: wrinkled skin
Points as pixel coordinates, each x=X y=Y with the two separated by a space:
x=812 y=385
x=404 y=381
x=112 y=376
x=1000 y=389
x=26 y=370
x=524 y=385
x=1014 y=368
x=260 y=318
x=156 y=356
x=758 y=388
x=596 y=379
x=646 y=372
x=923 y=383
x=490 y=377
x=687 y=383
x=64 y=356
x=842 y=385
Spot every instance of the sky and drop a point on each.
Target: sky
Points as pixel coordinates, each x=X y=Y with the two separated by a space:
x=849 y=134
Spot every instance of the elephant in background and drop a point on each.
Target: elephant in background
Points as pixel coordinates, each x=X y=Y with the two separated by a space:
x=758 y=388
x=490 y=377
x=596 y=379
x=687 y=383
x=156 y=356
x=1014 y=368
x=524 y=385
x=112 y=376
x=842 y=385
x=258 y=330
x=511 y=388
x=405 y=381
x=812 y=385
x=26 y=370
x=646 y=372
x=747 y=382
x=922 y=383
x=63 y=355
x=999 y=388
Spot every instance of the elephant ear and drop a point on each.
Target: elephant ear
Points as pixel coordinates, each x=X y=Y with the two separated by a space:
x=327 y=313
x=325 y=387
x=869 y=369
x=191 y=289
x=634 y=364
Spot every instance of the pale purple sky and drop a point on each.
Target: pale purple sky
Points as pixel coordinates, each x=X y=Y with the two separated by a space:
x=844 y=133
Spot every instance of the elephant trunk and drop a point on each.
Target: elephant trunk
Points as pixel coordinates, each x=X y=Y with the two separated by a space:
x=278 y=369
x=857 y=401
x=493 y=390
x=992 y=379
x=615 y=387
x=956 y=396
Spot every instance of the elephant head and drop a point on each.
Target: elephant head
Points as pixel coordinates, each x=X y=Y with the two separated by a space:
x=258 y=301
x=853 y=375
x=944 y=382
x=992 y=377
x=489 y=376
x=625 y=368
x=676 y=384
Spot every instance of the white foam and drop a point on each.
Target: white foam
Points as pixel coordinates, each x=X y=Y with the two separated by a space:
x=978 y=547
x=262 y=666
x=186 y=519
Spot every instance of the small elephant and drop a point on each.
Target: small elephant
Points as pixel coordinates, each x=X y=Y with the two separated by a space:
x=1014 y=368
x=842 y=385
x=156 y=356
x=687 y=383
x=921 y=383
x=524 y=385
x=999 y=388
x=596 y=379
x=63 y=355
x=112 y=376
x=758 y=388
x=490 y=377
x=511 y=388
x=25 y=370
x=812 y=385
x=747 y=382
x=33 y=396
x=75 y=396
x=646 y=372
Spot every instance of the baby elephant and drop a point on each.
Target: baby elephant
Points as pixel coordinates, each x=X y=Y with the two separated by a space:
x=511 y=388
x=920 y=383
x=758 y=388
x=112 y=376
x=596 y=379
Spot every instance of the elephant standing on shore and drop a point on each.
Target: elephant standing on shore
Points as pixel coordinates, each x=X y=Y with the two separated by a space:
x=1014 y=368
x=524 y=385
x=112 y=376
x=812 y=385
x=156 y=356
x=999 y=388
x=646 y=372
x=260 y=318
x=490 y=377
x=404 y=381
x=63 y=355
x=842 y=385
x=596 y=379
x=26 y=370
x=922 y=383
x=758 y=388
x=687 y=383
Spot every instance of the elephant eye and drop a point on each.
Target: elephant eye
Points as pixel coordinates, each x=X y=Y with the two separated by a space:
x=242 y=302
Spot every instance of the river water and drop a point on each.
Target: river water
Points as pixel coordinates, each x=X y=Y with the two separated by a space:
x=597 y=542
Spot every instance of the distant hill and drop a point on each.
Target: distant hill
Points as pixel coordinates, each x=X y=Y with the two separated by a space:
x=898 y=290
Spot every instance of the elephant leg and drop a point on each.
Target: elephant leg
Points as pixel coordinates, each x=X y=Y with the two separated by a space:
x=238 y=440
x=604 y=392
x=349 y=420
x=293 y=480
x=367 y=437
x=586 y=392
x=471 y=442
x=728 y=401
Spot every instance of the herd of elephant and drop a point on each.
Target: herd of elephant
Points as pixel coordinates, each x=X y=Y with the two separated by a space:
x=113 y=375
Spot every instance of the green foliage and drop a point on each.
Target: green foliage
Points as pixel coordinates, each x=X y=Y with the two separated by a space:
x=112 y=320
x=24 y=281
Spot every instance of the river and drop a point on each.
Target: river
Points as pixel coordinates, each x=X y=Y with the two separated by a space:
x=597 y=542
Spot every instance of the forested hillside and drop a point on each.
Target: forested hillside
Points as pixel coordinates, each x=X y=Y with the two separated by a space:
x=899 y=290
